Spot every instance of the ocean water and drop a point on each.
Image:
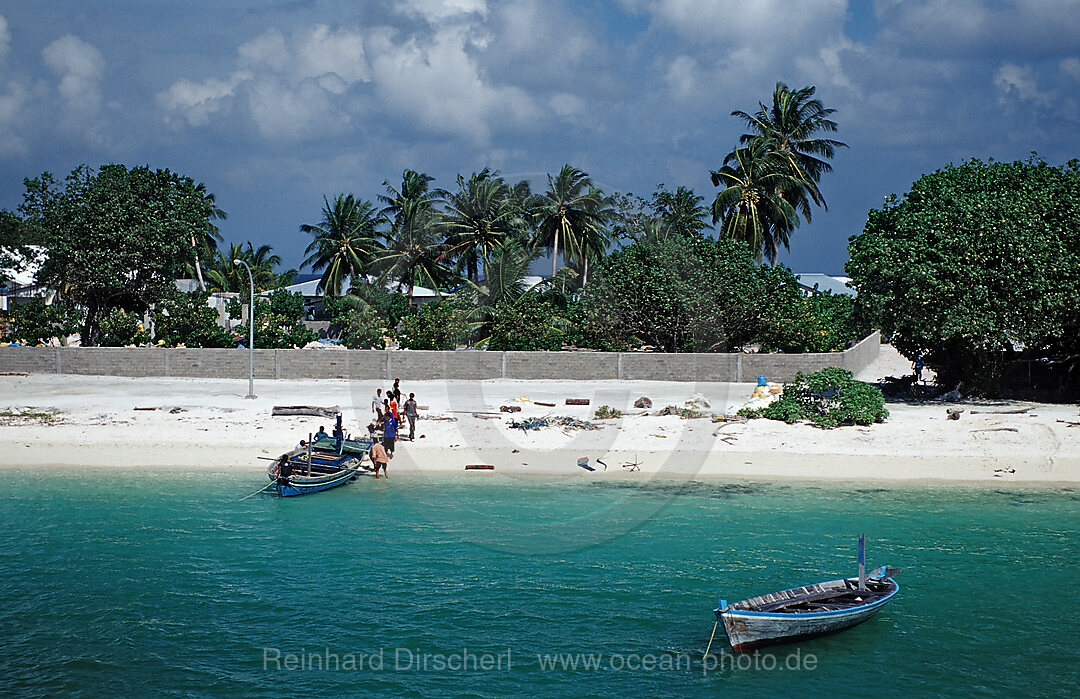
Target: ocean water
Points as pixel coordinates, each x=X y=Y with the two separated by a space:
x=136 y=584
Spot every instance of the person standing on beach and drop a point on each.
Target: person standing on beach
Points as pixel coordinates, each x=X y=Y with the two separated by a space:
x=390 y=431
x=377 y=404
x=397 y=390
x=410 y=415
x=379 y=458
x=393 y=405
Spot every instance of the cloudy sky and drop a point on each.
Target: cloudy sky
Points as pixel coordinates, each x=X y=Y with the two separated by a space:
x=274 y=104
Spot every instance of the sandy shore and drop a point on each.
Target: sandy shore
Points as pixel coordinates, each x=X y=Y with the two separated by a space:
x=215 y=427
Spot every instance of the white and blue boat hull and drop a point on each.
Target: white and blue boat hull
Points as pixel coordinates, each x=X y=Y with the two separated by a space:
x=747 y=628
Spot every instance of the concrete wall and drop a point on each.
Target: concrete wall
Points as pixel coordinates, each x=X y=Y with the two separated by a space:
x=421 y=366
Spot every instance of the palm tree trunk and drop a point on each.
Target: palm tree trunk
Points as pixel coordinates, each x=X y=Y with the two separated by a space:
x=198 y=268
x=555 y=253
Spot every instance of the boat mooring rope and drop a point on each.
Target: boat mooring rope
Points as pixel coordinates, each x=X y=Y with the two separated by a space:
x=711 y=639
x=265 y=487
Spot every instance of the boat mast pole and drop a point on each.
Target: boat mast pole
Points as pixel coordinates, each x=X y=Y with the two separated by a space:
x=309 y=454
x=862 y=561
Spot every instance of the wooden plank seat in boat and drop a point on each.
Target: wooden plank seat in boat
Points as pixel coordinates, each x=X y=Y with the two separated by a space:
x=843 y=597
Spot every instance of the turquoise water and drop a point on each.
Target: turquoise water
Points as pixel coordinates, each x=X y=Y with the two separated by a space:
x=136 y=584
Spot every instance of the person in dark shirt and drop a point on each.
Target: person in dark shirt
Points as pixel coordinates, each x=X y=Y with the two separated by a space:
x=410 y=415
x=390 y=431
x=321 y=434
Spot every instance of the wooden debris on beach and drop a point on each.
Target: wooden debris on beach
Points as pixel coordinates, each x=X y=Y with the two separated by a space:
x=137 y=408
x=953 y=413
x=643 y=402
x=509 y=408
x=312 y=410
x=546 y=405
x=479 y=467
x=997 y=429
x=485 y=416
x=577 y=401
x=1020 y=411
x=1069 y=424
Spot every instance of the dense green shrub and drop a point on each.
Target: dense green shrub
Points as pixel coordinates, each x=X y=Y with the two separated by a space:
x=35 y=321
x=827 y=398
x=977 y=263
x=528 y=323
x=278 y=321
x=794 y=321
x=440 y=325
x=120 y=329
x=361 y=328
x=186 y=319
x=679 y=294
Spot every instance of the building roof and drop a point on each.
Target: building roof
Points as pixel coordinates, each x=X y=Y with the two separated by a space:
x=824 y=282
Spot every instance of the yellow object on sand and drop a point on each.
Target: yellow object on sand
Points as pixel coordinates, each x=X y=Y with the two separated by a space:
x=761 y=392
x=523 y=399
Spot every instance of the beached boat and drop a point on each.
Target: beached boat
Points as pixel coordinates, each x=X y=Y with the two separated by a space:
x=300 y=472
x=806 y=612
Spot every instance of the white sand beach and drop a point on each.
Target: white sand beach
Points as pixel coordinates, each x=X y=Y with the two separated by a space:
x=104 y=422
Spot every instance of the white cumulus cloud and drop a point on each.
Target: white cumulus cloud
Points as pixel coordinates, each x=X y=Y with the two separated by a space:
x=1019 y=81
x=80 y=68
x=5 y=37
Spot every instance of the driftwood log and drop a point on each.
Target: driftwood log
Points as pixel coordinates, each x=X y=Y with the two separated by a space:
x=313 y=410
x=577 y=401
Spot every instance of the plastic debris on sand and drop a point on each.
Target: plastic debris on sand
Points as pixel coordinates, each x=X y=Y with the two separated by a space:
x=565 y=421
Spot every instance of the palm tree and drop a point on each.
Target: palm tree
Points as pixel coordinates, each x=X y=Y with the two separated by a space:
x=345 y=242
x=478 y=217
x=791 y=124
x=569 y=213
x=681 y=212
x=506 y=266
x=752 y=205
x=414 y=250
x=205 y=245
x=223 y=275
x=415 y=189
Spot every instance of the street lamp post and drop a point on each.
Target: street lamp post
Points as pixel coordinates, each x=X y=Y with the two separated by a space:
x=251 y=327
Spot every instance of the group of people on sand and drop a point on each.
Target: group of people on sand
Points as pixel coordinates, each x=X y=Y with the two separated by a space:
x=389 y=410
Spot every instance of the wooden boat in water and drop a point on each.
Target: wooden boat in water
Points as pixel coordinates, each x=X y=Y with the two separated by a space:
x=301 y=472
x=806 y=612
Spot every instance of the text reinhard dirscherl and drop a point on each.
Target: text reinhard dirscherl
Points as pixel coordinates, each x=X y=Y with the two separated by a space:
x=414 y=660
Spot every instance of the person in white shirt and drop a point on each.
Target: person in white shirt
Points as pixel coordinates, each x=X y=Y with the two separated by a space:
x=377 y=404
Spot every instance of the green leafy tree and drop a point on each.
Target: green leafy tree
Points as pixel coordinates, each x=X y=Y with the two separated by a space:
x=441 y=325
x=16 y=240
x=35 y=321
x=528 y=323
x=278 y=321
x=345 y=243
x=390 y=306
x=114 y=235
x=976 y=264
x=120 y=328
x=794 y=321
x=677 y=294
x=186 y=319
x=360 y=327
